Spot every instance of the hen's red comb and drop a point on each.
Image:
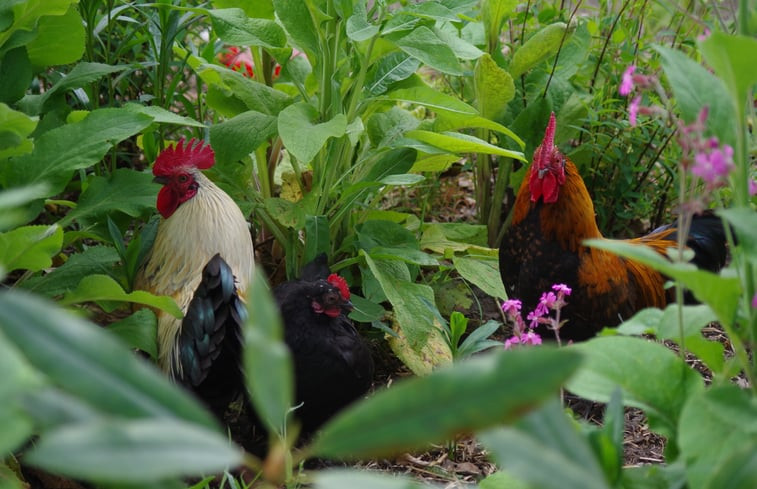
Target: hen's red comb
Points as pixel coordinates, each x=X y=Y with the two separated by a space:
x=341 y=284
x=192 y=153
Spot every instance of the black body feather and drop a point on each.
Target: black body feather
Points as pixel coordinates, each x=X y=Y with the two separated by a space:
x=332 y=365
x=210 y=342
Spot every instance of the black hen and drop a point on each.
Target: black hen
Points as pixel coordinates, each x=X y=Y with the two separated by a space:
x=210 y=342
x=332 y=365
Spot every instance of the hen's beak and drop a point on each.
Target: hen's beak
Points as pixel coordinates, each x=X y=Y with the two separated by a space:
x=347 y=305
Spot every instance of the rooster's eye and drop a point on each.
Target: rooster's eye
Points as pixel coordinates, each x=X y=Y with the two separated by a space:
x=183 y=178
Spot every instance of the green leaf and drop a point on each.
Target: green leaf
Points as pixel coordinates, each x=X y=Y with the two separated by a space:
x=358 y=28
x=47 y=49
x=30 y=247
x=302 y=135
x=352 y=478
x=90 y=363
x=434 y=353
x=494 y=87
x=236 y=138
x=416 y=91
x=81 y=75
x=15 y=128
x=443 y=237
x=465 y=397
x=162 y=116
x=139 y=331
x=546 y=450
x=541 y=46
x=365 y=311
x=715 y=426
x=744 y=221
x=94 y=288
x=454 y=142
x=297 y=20
x=694 y=87
x=410 y=312
x=97 y=259
x=236 y=89
x=55 y=157
x=261 y=9
x=267 y=361
x=423 y=44
x=408 y=255
x=720 y=292
x=287 y=213
x=234 y=27
x=493 y=14
x=407 y=179
x=395 y=66
x=483 y=272
x=133 y=451
x=731 y=57
x=652 y=377
x=124 y=191
x=26 y=14
x=317 y=238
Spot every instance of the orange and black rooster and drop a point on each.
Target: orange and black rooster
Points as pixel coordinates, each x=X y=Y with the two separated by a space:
x=203 y=258
x=332 y=365
x=543 y=246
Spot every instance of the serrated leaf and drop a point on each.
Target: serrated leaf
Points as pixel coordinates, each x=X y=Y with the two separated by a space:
x=110 y=450
x=302 y=135
x=88 y=362
x=538 y=48
x=464 y=397
x=30 y=247
x=96 y=288
x=494 y=87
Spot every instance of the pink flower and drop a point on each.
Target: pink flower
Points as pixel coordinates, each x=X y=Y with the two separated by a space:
x=713 y=166
x=562 y=288
x=514 y=340
x=511 y=307
x=754 y=301
x=531 y=338
x=704 y=35
x=753 y=187
x=548 y=299
x=633 y=110
x=626 y=84
x=534 y=316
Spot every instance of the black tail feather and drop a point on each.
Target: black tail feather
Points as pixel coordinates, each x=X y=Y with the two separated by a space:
x=707 y=239
x=210 y=341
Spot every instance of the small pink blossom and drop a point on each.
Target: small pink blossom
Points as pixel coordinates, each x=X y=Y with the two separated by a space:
x=534 y=316
x=753 y=187
x=511 y=307
x=626 y=84
x=513 y=340
x=633 y=110
x=531 y=338
x=713 y=166
x=704 y=35
x=754 y=301
x=562 y=288
x=548 y=299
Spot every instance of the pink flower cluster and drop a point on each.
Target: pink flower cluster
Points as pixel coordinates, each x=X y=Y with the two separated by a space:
x=553 y=300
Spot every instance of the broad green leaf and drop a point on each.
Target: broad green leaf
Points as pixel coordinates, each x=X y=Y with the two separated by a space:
x=494 y=87
x=96 y=288
x=234 y=27
x=483 y=272
x=395 y=66
x=731 y=57
x=88 y=362
x=408 y=255
x=81 y=74
x=744 y=221
x=15 y=128
x=435 y=163
x=449 y=121
x=133 y=451
x=236 y=87
x=407 y=179
x=301 y=133
x=720 y=292
x=317 y=237
x=241 y=135
x=352 y=478
x=715 y=426
x=434 y=353
x=27 y=13
x=462 y=48
x=415 y=91
x=139 y=331
x=30 y=247
x=423 y=44
x=287 y=213
x=386 y=234
x=55 y=157
x=539 y=47
x=365 y=311
x=124 y=191
x=267 y=361
x=259 y=9
x=441 y=238
x=97 y=259
x=411 y=313
x=462 y=143
x=493 y=14
x=651 y=376
x=162 y=116
x=358 y=28
x=431 y=10
x=694 y=87
x=546 y=450
x=468 y=396
x=296 y=17
x=47 y=49
x=502 y=480
x=15 y=77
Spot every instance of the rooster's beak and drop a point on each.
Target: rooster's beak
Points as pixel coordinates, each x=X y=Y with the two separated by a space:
x=161 y=180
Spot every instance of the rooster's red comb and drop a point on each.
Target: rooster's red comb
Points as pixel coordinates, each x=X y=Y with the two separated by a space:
x=341 y=284
x=192 y=153
x=549 y=134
